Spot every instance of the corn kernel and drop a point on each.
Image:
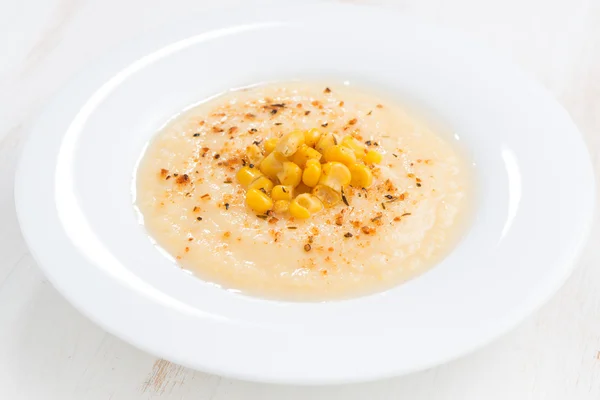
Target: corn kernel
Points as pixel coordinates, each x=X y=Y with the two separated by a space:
x=335 y=175
x=258 y=201
x=270 y=145
x=254 y=154
x=281 y=206
x=246 y=175
x=327 y=195
x=311 y=137
x=326 y=140
x=373 y=157
x=298 y=211
x=281 y=192
x=290 y=175
x=304 y=205
x=289 y=143
x=339 y=153
x=272 y=164
x=310 y=202
x=361 y=176
x=304 y=154
x=311 y=173
x=357 y=147
x=262 y=182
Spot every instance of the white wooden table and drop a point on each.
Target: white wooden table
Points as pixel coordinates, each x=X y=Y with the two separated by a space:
x=49 y=351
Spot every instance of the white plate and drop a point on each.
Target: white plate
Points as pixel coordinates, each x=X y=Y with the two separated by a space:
x=534 y=184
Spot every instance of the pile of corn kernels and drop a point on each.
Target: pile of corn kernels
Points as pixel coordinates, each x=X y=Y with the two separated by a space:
x=304 y=171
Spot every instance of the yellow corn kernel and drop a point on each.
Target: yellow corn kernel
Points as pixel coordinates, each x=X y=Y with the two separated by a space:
x=327 y=195
x=281 y=206
x=304 y=205
x=272 y=164
x=281 y=192
x=290 y=175
x=298 y=211
x=289 y=143
x=311 y=173
x=262 y=182
x=335 y=175
x=340 y=153
x=373 y=157
x=356 y=146
x=258 y=201
x=361 y=176
x=246 y=175
x=304 y=154
x=310 y=202
x=254 y=154
x=311 y=137
x=326 y=140
x=270 y=145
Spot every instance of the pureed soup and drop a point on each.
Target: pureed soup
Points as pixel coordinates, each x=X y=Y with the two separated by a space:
x=300 y=191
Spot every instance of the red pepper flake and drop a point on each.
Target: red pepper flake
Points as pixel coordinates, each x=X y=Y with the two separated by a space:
x=406 y=214
x=163 y=172
x=419 y=185
x=168 y=177
x=250 y=116
x=348 y=235
x=183 y=179
x=199 y=218
x=379 y=106
x=205 y=196
x=217 y=156
x=187 y=249
x=339 y=220
x=367 y=230
x=327 y=90
x=228 y=180
x=190 y=239
x=217 y=129
x=330 y=249
x=307 y=247
x=324 y=125
x=227 y=234
x=232 y=130
x=306 y=112
x=341 y=104
x=273 y=220
x=196 y=135
x=353 y=121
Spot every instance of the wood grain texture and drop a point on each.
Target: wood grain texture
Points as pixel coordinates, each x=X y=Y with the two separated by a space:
x=50 y=351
